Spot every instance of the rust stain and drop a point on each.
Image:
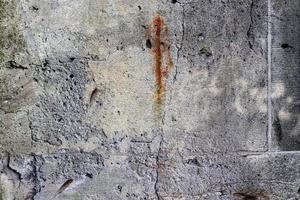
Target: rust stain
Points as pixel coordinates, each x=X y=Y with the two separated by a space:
x=159 y=43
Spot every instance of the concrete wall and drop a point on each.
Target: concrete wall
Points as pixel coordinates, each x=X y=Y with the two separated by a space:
x=169 y=99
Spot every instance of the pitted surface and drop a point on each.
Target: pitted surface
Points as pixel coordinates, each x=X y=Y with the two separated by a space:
x=116 y=99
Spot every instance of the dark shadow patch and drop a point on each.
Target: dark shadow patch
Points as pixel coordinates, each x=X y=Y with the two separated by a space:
x=148 y=44
x=194 y=161
x=93 y=95
x=251 y=194
x=285 y=46
x=13 y=65
x=277 y=129
x=205 y=51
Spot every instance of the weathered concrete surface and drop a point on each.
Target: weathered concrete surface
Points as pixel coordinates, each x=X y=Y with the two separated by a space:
x=285 y=81
x=149 y=99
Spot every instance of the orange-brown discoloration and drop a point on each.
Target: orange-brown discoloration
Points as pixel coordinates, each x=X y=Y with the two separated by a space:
x=158 y=36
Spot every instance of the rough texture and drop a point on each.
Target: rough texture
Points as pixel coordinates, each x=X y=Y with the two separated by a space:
x=171 y=99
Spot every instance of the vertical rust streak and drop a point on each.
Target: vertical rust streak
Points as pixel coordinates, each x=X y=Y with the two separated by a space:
x=158 y=41
x=158 y=59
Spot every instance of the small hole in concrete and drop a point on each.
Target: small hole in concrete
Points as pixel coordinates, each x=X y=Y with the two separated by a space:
x=35 y=8
x=285 y=45
x=89 y=175
x=148 y=44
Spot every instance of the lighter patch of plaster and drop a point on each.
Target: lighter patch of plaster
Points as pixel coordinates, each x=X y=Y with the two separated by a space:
x=260 y=96
x=278 y=90
x=284 y=115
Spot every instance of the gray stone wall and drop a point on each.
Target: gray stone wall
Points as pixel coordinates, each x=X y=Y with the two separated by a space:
x=138 y=100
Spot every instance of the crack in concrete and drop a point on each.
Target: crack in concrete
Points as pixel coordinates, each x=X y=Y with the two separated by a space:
x=11 y=64
x=13 y=175
x=249 y=31
x=13 y=172
x=158 y=165
x=181 y=42
x=30 y=128
x=36 y=181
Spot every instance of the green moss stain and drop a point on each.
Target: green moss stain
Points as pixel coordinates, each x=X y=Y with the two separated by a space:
x=11 y=41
